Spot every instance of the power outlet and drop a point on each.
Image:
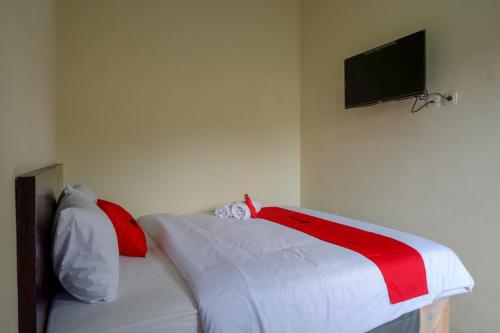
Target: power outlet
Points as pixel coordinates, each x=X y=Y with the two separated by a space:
x=454 y=99
x=434 y=101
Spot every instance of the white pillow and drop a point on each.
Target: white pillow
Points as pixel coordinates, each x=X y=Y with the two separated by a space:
x=85 y=250
x=87 y=192
x=71 y=198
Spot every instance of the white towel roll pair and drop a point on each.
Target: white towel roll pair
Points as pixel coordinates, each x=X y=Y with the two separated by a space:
x=238 y=210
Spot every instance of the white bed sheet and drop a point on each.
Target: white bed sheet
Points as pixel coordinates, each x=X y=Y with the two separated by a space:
x=152 y=297
x=258 y=276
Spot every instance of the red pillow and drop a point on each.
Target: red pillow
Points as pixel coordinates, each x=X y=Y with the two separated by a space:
x=131 y=239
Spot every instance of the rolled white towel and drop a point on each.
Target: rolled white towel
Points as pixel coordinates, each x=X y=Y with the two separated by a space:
x=224 y=211
x=240 y=211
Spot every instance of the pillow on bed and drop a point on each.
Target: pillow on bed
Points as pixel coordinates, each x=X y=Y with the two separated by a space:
x=71 y=198
x=131 y=239
x=87 y=192
x=85 y=249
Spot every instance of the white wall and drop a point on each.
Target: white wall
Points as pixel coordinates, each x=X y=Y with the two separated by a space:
x=434 y=173
x=180 y=105
x=27 y=122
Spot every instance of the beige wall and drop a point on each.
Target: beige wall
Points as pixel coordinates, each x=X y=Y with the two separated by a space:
x=27 y=122
x=180 y=105
x=434 y=173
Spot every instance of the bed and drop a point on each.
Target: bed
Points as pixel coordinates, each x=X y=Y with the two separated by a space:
x=152 y=297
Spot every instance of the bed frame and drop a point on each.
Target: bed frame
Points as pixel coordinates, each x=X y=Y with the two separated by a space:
x=36 y=199
x=435 y=318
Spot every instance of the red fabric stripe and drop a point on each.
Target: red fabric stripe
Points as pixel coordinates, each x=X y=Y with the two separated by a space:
x=401 y=265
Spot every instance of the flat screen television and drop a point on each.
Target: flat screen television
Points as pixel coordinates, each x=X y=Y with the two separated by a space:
x=392 y=71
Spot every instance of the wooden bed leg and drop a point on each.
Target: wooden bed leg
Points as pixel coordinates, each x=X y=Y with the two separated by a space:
x=435 y=318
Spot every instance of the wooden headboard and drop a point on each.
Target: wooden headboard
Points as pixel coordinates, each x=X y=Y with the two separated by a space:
x=36 y=199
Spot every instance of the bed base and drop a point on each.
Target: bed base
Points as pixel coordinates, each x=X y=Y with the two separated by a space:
x=435 y=318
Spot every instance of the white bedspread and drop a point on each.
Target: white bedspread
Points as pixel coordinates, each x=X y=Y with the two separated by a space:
x=259 y=276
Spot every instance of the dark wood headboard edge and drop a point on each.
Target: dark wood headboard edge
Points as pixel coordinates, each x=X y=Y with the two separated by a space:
x=36 y=200
x=25 y=209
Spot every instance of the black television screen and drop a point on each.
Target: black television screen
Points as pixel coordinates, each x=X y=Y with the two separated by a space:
x=392 y=71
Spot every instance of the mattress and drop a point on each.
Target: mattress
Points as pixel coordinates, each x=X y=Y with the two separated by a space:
x=152 y=297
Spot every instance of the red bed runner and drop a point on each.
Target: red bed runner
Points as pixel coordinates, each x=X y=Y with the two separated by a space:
x=401 y=265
